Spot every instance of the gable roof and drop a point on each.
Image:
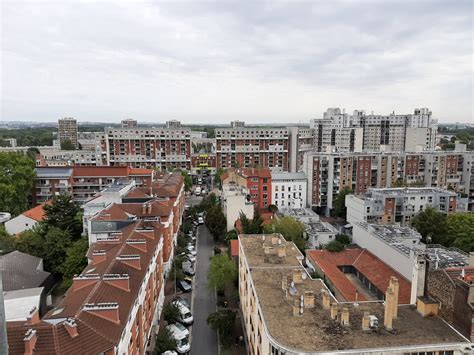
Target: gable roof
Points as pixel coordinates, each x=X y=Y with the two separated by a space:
x=36 y=213
x=371 y=267
x=22 y=271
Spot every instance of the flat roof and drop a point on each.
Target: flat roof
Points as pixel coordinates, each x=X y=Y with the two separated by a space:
x=314 y=330
x=288 y=176
x=53 y=172
x=400 y=191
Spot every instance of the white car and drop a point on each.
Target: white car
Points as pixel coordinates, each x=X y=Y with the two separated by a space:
x=181 y=336
x=200 y=220
x=185 y=314
x=192 y=252
x=190 y=247
x=191 y=258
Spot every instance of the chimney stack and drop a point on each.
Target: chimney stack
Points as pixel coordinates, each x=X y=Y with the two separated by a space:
x=149 y=208
x=144 y=208
x=98 y=256
x=334 y=311
x=418 y=278
x=471 y=258
x=366 y=321
x=281 y=251
x=81 y=281
x=296 y=307
x=308 y=299
x=71 y=327
x=297 y=276
x=394 y=285
x=388 y=315
x=326 y=300
x=345 y=316
x=30 y=341
x=33 y=316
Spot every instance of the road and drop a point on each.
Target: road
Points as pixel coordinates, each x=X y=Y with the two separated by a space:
x=204 y=339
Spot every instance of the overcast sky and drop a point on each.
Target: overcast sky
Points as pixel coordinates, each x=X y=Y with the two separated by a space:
x=212 y=62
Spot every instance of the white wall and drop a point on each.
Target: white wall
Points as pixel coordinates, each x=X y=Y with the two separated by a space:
x=19 y=224
x=355 y=209
x=232 y=208
x=295 y=198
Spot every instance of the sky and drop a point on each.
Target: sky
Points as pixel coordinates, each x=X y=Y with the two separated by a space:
x=213 y=62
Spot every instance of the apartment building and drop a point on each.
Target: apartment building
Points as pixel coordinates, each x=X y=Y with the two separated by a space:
x=289 y=190
x=67 y=130
x=257 y=181
x=163 y=148
x=204 y=161
x=84 y=182
x=129 y=123
x=57 y=157
x=285 y=311
x=236 y=200
x=329 y=173
x=400 y=205
x=342 y=132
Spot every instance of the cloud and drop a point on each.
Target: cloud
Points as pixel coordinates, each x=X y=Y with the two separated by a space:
x=217 y=61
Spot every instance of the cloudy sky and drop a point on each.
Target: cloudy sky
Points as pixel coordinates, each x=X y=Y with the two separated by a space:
x=212 y=62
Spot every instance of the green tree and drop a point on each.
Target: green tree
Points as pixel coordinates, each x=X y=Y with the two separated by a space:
x=171 y=313
x=257 y=221
x=56 y=244
x=246 y=225
x=230 y=235
x=32 y=241
x=76 y=259
x=343 y=238
x=16 y=182
x=431 y=223
x=7 y=242
x=222 y=272
x=64 y=213
x=223 y=322
x=339 y=203
x=67 y=145
x=188 y=182
x=164 y=341
x=334 y=246
x=273 y=209
x=216 y=221
x=218 y=176
x=460 y=231
x=290 y=228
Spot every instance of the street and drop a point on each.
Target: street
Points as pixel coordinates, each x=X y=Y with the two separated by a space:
x=204 y=339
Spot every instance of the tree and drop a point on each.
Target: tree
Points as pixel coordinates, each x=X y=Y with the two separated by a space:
x=343 y=238
x=218 y=176
x=273 y=209
x=7 y=242
x=67 y=145
x=290 y=228
x=431 y=223
x=64 y=213
x=56 y=244
x=165 y=341
x=188 y=182
x=460 y=231
x=222 y=272
x=257 y=221
x=230 y=235
x=246 y=226
x=76 y=259
x=216 y=221
x=31 y=241
x=334 y=246
x=171 y=313
x=223 y=322
x=16 y=182
x=339 y=203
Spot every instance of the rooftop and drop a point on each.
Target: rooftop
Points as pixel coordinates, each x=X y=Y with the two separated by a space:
x=402 y=191
x=37 y=213
x=288 y=176
x=314 y=330
x=53 y=172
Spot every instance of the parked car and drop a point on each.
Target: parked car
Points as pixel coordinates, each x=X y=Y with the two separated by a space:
x=181 y=335
x=190 y=247
x=186 y=317
x=191 y=258
x=169 y=352
x=181 y=301
x=188 y=268
x=184 y=286
x=189 y=280
x=192 y=252
x=200 y=220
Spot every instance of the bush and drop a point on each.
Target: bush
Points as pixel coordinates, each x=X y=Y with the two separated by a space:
x=334 y=247
x=164 y=341
x=223 y=322
x=171 y=313
x=343 y=238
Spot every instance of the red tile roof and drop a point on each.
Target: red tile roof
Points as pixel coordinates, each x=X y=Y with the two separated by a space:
x=93 y=171
x=373 y=269
x=455 y=273
x=260 y=172
x=36 y=213
x=140 y=171
x=234 y=247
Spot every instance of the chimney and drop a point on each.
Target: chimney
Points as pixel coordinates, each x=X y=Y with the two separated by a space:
x=326 y=300
x=121 y=281
x=284 y=282
x=85 y=280
x=308 y=299
x=33 y=316
x=30 y=341
x=471 y=258
x=297 y=276
x=266 y=249
x=98 y=256
x=139 y=244
x=334 y=311
x=281 y=251
x=366 y=321
x=296 y=307
x=418 y=278
x=108 y=311
x=71 y=327
x=144 y=208
x=345 y=316
x=130 y=260
x=388 y=315
x=275 y=240
x=395 y=287
x=149 y=208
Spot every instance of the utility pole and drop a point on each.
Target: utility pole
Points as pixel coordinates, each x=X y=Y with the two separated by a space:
x=3 y=322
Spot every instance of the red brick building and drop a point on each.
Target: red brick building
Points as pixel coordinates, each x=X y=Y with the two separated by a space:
x=257 y=181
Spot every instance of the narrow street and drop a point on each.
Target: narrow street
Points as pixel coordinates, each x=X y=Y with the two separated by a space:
x=204 y=339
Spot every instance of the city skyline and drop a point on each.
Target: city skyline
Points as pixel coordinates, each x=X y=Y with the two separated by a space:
x=212 y=63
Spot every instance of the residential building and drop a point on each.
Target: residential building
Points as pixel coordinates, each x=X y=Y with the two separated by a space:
x=329 y=173
x=51 y=182
x=289 y=190
x=25 y=221
x=11 y=141
x=129 y=123
x=56 y=158
x=164 y=148
x=237 y=124
x=67 y=130
x=235 y=200
x=203 y=162
x=400 y=205
x=258 y=182
x=285 y=311
x=173 y=124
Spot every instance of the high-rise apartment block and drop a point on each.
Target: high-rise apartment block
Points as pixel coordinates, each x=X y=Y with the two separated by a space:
x=330 y=173
x=173 y=124
x=129 y=123
x=341 y=132
x=67 y=130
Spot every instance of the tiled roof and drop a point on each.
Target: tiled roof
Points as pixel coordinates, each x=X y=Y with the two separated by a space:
x=249 y=172
x=36 y=213
x=21 y=271
x=140 y=171
x=234 y=247
x=113 y=171
x=456 y=273
x=58 y=172
x=124 y=211
x=373 y=269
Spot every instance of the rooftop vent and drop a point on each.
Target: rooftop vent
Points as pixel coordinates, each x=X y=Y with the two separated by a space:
x=108 y=311
x=71 y=327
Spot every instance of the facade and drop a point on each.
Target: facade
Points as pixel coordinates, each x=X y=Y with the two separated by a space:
x=11 y=141
x=236 y=200
x=25 y=221
x=285 y=311
x=289 y=190
x=51 y=182
x=205 y=161
x=400 y=205
x=173 y=124
x=129 y=123
x=329 y=173
x=163 y=148
x=55 y=158
x=67 y=130
x=341 y=132
x=258 y=183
